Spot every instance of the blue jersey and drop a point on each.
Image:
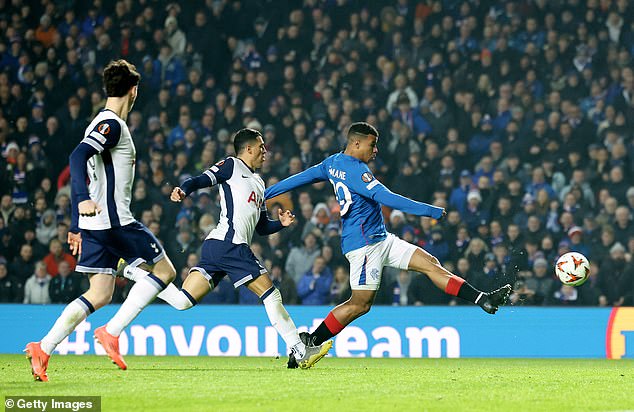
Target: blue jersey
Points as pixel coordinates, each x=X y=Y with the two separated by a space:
x=360 y=197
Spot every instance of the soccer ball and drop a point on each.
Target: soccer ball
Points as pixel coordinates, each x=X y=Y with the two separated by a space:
x=572 y=268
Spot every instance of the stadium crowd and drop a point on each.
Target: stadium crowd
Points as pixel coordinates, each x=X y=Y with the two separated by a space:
x=516 y=116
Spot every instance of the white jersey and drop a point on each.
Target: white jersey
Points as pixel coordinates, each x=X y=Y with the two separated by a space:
x=241 y=200
x=111 y=172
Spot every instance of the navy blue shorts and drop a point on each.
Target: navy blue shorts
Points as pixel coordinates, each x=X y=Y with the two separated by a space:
x=101 y=249
x=219 y=258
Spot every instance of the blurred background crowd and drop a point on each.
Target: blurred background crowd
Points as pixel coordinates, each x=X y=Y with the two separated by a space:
x=516 y=116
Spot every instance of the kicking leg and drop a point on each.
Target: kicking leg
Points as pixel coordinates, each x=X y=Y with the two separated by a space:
x=99 y=294
x=423 y=262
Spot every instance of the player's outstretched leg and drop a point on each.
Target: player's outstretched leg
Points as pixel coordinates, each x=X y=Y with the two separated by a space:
x=141 y=294
x=423 y=262
x=493 y=300
x=181 y=299
x=98 y=295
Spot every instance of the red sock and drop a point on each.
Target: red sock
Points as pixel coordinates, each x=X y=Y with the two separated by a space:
x=457 y=286
x=454 y=285
x=327 y=329
x=333 y=325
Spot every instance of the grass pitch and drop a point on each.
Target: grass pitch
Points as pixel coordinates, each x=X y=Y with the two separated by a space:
x=263 y=384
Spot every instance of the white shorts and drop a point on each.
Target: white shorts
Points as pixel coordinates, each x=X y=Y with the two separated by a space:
x=366 y=263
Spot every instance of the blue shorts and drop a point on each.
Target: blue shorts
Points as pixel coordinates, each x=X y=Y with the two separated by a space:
x=219 y=258
x=101 y=249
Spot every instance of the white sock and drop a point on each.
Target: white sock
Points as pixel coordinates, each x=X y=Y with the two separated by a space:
x=282 y=322
x=141 y=294
x=171 y=294
x=74 y=313
x=176 y=297
x=134 y=273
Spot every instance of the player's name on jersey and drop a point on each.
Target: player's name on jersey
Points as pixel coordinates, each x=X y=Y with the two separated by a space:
x=339 y=174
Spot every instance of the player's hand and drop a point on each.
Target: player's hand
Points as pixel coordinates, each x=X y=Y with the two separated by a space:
x=74 y=240
x=443 y=214
x=177 y=194
x=286 y=218
x=88 y=208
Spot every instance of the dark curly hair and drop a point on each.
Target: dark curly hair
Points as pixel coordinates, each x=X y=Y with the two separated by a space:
x=118 y=77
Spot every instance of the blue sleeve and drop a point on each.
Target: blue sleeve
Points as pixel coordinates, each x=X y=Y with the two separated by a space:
x=311 y=175
x=365 y=184
x=194 y=183
x=78 y=177
x=105 y=135
x=267 y=226
x=218 y=173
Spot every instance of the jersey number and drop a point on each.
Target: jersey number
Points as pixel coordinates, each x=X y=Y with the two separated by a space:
x=344 y=197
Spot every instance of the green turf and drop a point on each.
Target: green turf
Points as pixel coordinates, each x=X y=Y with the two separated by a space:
x=262 y=384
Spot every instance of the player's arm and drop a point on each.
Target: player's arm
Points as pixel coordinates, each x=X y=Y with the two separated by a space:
x=104 y=136
x=216 y=174
x=365 y=184
x=267 y=226
x=313 y=174
x=388 y=198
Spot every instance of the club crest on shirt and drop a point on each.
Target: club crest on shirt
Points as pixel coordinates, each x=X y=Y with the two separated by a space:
x=367 y=177
x=103 y=128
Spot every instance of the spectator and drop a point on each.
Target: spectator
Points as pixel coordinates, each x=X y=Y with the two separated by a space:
x=542 y=285
x=300 y=259
x=340 y=287
x=284 y=284
x=458 y=198
x=623 y=226
x=11 y=289
x=400 y=287
x=615 y=281
x=437 y=245
x=36 y=286
x=56 y=256
x=24 y=265
x=66 y=286
x=175 y=36
x=575 y=234
x=47 y=228
x=314 y=287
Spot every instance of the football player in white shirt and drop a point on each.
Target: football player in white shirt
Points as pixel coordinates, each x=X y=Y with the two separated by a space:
x=226 y=250
x=103 y=228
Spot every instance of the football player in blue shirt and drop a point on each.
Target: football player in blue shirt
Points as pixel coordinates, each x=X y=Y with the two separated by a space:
x=365 y=241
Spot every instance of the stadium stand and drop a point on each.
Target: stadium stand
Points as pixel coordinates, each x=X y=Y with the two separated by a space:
x=516 y=116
